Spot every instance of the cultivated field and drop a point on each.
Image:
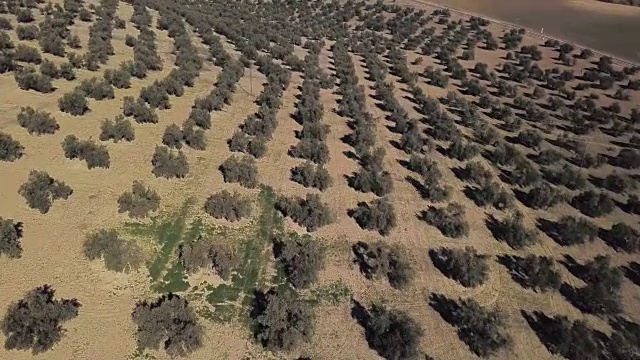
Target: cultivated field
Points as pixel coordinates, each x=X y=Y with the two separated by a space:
x=293 y=179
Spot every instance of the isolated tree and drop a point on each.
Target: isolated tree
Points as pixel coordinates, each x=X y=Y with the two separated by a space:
x=10 y=149
x=450 y=220
x=169 y=164
x=117 y=129
x=378 y=216
x=534 y=272
x=168 y=323
x=140 y=201
x=119 y=78
x=74 y=103
x=27 y=32
x=118 y=254
x=465 y=266
x=623 y=237
x=544 y=196
x=28 y=54
x=569 y=230
x=301 y=257
x=240 y=170
x=35 y=322
x=28 y=79
x=10 y=238
x=281 y=321
x=475 y=172
x=512 y=231
x=372 y=180
x=95 y=155
x=231 y=207
x=309 y=212
x=310 y=175
x=41 y=190
x=384 y=260
x=392 y=333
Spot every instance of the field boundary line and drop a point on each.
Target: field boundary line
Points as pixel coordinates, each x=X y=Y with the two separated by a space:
x=531 y=33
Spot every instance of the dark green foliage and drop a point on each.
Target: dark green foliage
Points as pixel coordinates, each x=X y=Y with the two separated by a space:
x=37 y=121
x=28 y=79
x=378 y=216
x=534 y=272
x=476 y=173
x=601 y=294
x=512 y=231
x=548 y=157
x=193 y=136
x=10 y=237
x=98 y=89
x=10 y=149
x=169 y=164
x=50 y=69
x=567 y=175
x=593 y=204
x=156 y=96
x=119 y=254
x=491 y=193
x=462 y=150
x=24 y=15
x=27 y=54
x=119 y=78
x=310 y=175
x=74 y=103
x=140 y=201
x=117 y=129
x=5 y=24
x=173 y=136
x=301 y=257
x=27 y=32
x=200 y=117
x=281 y=321
x=95 y=155
x=141 y=113
x=168 y=323
x=231 y=207
x=569 y=230
x=530 y=138
x=382 y=259
x=309 y=212
x=370 y=180
x=628 y=158
x=240 y=170
x=623 y=237
x=35 y=321
x=206 y=253
x=392 y=333
x=544 y=196
x=465 y=266
x=40 y=190
x=450 y=220
x=312 y=150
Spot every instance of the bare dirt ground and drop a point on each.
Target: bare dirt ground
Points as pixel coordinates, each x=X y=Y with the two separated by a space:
x=104 y=330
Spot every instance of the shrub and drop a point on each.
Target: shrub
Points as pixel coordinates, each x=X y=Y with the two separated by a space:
x=491 y=193
x=530 y=138
x=10 y=149
x=512 y=231
x=240 y=170
x=569 y=230
x=623 y=237
x=200 y=117
x=311 y=175
x=156 y=96
x=119 y=255
x=10 y=237
x=301 y=257
x=465 y=266
x=140 y=201
x=169 y=164
x=309 y=212
x=27 y=32
x=141 y=113
x=601 y=294
x=593 y=204
x=119 y=78
x=95 y=155
x=28 y=79
x=173 y=136
x=628 y=159
x=97 y=89
x=37 y=121
x=476 y=173
x=544 y=196
x=50 y=69
x=462 y=150
x=569 y=176
x=535 y=272
x=312 y=150
x=27 y=54
x=24 y=15
x=450 y=220
x=281 y=321
x=168 y=322
x=74 y=103
x=382 y=259
x=40 y=190
x=231 y=207
x=117 y=130
x=378 y=216
x=369 y=180
x=392 y=333
x=35 y=321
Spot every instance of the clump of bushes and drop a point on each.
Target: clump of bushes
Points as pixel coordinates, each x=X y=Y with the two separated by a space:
x=37 y=121
x=378 y=216
x=28 y=79
x=117 y=129
x=10 y=149
x=95 y=155
x=40 y=190
x=27 y=32
x=35 y=321
x=383 y=260
x=119 y=254
x=309 y=212
x=141 y=113
x=593 y=204
x=97 y=89
x=623 y=237
x=169 y=164
x=231 y=207
x=301 y=257
x=10 y=238
x=392 y=333
x=465 y=266
x=168 y=323
x=512 y=231
x=139 y=202
x=119 y=78
x=240 y=170
x=311 y=175
x=205 y=253
x=74 y=103
x=544 y=196
x=534 y=272
x=450 y=220
x=28 y=54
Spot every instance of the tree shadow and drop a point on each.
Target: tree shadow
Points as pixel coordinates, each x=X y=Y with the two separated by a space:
x=359 y=313
x=422 y=190
x=444 y=306
x=513 y=264
x=632 y=272
x=575 y=268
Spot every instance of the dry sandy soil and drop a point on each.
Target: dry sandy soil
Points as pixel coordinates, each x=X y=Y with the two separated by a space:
x=104 y=330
